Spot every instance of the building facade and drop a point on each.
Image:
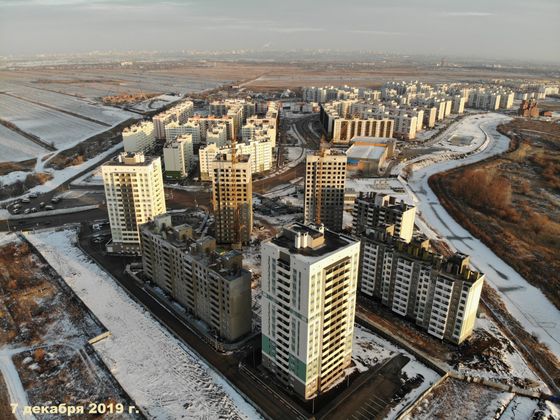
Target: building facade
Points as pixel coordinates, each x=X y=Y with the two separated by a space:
x=309 y=278
x=178 y=156
x=325 y=177
x=440 y=295
x=232 y=198
x=139 y=138
x=134 y=195
x=373 y=209
x=213 y=286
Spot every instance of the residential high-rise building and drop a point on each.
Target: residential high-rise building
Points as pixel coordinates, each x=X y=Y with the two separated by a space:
x=372 y=210
x=232 y=198
x=440 y=295
x=178 y=156
x=259 y=150
x=325 y=176
x=134 y=195
x=213 y=286
x=139 y=138
x=217 y=134
x=309 y=280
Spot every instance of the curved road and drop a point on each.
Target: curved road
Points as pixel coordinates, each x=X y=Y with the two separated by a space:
x=524 y=301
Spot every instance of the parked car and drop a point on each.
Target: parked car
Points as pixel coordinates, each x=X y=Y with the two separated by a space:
x=49 y=207
x=25 y=200
x=16 y=210
x=42 y=204
x=27 y=211
x=33 y=210
x=33 y=195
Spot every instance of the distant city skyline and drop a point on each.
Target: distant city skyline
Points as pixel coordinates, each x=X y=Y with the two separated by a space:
x=499 y=29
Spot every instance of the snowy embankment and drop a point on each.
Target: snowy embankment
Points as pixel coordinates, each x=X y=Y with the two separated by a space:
x=163 y=377
x=524 y=301
x=63 y=175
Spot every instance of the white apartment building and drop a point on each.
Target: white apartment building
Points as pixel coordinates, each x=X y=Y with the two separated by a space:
x=232 y=198
x=179 y=113
x=405 y=125
x=372 y=210
x=260 y=152
x=175 y=129
x=309 y=280
x=482 y=99
x=506 y=100
x=325 y=177
x=217 y=134
x=440 y=295
x=139 y=138
x=458 y=106
x=134 y=195
x=260 y=127
x=178 y=156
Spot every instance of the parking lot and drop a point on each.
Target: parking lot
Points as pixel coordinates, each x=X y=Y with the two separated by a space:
x=34 y=203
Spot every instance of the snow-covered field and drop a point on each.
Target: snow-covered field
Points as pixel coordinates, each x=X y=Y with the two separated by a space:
x=162 y=375
x=107 y=114
x=62 y=130
x=524 y=301
x=455 y=399
x=14 y=147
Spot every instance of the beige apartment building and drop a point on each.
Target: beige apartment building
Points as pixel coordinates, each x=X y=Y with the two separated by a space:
x=134 y=195
x=211 y=285
x=309 y=280
x=178 y=156
x=232 y=198
x=325 y=177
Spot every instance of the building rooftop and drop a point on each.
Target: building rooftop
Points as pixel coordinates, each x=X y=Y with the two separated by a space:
x=228 y=264
x=365 y=152
x=131 y=159
x=454 y=267
x=310 y=240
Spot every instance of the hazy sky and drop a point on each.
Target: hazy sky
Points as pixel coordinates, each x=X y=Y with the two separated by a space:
x=524 y=29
